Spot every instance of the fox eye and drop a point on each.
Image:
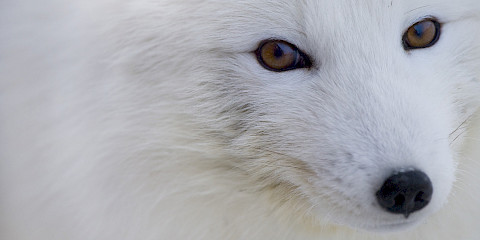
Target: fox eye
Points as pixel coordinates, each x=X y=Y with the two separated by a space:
x=279 y=56
x=422 y=34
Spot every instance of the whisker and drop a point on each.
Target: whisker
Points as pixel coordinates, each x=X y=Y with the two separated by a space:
x=462 y=124
x=462 y=127
x=415 y=9
x=463 y=132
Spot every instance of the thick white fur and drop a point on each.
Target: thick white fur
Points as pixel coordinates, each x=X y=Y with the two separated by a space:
x=151 y=119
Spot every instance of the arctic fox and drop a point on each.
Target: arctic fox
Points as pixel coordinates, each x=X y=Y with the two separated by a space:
x=239 y=119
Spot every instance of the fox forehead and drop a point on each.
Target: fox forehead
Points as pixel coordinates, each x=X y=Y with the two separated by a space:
x=325 y=23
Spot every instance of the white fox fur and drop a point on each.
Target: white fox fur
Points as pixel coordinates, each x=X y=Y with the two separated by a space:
x=152 y=119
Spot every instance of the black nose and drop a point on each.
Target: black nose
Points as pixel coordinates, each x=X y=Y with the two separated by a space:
x=405 y=192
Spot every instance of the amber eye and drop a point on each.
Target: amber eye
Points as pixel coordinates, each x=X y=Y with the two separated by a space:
x=422 y=34
x=278 y=56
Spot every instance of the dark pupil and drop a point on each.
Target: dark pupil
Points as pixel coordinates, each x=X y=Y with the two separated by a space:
x=278 y=52
x=419 y=29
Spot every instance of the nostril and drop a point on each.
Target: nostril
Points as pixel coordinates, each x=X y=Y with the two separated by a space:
x=405 y=192
x=399 y=200
x=419 y=197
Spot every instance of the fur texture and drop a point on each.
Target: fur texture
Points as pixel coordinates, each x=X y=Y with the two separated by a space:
x=153 y=120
